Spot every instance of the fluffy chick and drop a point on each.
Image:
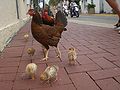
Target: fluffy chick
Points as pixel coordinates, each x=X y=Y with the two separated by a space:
x=50 y=74
x=26 y=36
x=72 y=55
x=31 y=51
x=31 y=70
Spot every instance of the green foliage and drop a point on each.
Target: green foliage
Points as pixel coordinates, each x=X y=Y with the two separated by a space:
x=54 y=2
x=91 y=5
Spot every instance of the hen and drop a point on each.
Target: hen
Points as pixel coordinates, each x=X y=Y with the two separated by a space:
x=45 y=34
x=47 y=19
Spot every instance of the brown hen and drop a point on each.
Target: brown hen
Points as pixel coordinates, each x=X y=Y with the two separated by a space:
x=45 y=34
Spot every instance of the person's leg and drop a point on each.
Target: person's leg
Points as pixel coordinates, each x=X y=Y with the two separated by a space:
x=116 y=7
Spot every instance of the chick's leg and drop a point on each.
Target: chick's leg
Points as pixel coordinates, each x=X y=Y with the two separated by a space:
x=33 y=76
x=43 y=50
x=46 y=54
x=58 y=52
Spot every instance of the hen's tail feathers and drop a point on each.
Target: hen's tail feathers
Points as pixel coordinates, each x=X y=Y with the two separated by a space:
x=61 y=18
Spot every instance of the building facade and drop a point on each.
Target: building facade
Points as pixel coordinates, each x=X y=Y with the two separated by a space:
x=12 y=18
x=101 y=6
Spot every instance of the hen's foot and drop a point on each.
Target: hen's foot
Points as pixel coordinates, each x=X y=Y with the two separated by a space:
x=45 y=59
x=58 y=56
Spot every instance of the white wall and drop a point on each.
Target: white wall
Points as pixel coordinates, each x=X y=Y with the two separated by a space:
x=9 y=23
x=96 y=2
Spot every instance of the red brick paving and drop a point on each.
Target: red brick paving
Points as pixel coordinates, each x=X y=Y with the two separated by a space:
x=97 y=66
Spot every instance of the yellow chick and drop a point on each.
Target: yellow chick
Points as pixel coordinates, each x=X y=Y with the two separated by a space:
x=31 y=51
x=50 y=74
x=72 y=55
x=31 y=70
x=26 y=36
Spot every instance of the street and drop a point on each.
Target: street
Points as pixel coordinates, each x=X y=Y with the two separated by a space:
x=97 y=66
x=97 y=20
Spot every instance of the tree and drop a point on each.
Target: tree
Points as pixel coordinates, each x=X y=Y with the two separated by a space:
x=54 y=2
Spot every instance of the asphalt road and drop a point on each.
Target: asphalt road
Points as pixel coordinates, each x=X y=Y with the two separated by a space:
x=108 y=19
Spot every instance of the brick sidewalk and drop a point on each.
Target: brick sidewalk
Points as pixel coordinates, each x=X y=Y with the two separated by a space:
x=97 y=67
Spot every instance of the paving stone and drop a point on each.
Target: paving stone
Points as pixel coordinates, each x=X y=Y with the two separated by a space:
x=16 y=59
x=83 y=59
x=7 y=77
x=117 y=78
x=63 y=78
x=103 y=63
x=94 y=43
x=82 y=48
x=8 y=70
x=50 y=60
x=11 y=54
x=84 y=42
x=114 y=51
x=75 y=43
x=28 y=84
x=13 y=49
x=17 y=43
x=113 y=58
x=108 y=84
x=6 y=85
x=67 y=45
x=8 y=64
x=61 y=87
x=97 y=66
x=88 y=52
x=82 y=81
x=102 y=46
x=102 y=74
x=117 y=63
x=23 y=65
x=82 y=68
x=98 y=55
x=96 y=49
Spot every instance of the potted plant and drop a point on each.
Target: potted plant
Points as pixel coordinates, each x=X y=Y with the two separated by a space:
x=91 y=8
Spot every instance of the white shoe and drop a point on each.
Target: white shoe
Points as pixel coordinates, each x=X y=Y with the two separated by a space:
x=119 y=32
x=117 y=28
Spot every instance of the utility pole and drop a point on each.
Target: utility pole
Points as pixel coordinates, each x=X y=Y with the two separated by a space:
x=43 y=4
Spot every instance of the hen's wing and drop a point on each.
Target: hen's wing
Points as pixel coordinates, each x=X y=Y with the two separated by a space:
x=61 y=19
x=53 y=34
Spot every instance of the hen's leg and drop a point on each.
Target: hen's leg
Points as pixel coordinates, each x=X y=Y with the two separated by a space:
x=46 y=54
x=43 y=50
x=58 y=52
